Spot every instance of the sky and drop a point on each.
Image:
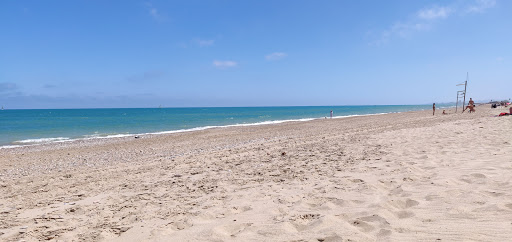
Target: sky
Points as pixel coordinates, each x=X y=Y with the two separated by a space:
x=106 y=54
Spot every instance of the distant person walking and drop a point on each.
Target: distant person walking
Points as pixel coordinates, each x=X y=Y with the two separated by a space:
x=433 y=109
x=331 y=113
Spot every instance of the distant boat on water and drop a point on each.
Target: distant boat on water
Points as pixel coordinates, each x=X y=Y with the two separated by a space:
x=2 y=107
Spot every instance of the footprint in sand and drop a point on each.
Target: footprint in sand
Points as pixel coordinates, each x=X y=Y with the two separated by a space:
x=232 y=229
x=403 y=204
x=384 y=233
x=411 y=203
x=332 y=238
x=404 y=214
x=338 y=202
x=509 y=205
x=477 y=178
x=181 y=225
x=375 y=221
x=432 y=197
x=302 y=222
x=399 y=192
x=364 y=226
x=357 y=180
x=237 y=210
x=478 y=175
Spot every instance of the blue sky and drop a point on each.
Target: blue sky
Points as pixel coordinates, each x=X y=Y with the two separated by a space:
x=81 y=54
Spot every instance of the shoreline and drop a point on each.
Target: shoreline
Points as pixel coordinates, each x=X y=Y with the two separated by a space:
x=399 y=177
x=47 y=141
x=61 y=138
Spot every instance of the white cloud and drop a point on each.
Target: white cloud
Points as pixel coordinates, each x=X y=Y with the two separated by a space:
x=275 y=56
x=434 y=13
x=426 y=18
x=423 y=20
x=224 y=64
x=204 y=43
x=480 y=6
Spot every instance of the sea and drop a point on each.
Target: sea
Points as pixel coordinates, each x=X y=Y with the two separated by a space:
x=37 y=126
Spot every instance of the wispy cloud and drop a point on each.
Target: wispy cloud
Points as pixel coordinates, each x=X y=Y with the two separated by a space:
x=480 y=6
x=276 y=56
x=49 y=86
x=153 y=12
x=8 y=87
x=404 y=30
x=224 y=64
x=398 y=29
x=204 y=42
x=434 y=13
x=500 y=59
x=146 y=76
x=426 y=18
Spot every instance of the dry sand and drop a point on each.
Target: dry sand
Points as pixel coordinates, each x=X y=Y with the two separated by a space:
x=394 y=177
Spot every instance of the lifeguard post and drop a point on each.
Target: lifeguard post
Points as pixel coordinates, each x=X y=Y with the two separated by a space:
x=462 y=94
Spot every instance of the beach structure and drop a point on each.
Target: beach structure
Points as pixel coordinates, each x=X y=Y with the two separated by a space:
x=462 y=94
x=275 y=182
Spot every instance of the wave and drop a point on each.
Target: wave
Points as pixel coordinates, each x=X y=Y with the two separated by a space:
x=230 y=125
x=98 y=136
x=32 y=142
x=41 y=140
x=11 y=146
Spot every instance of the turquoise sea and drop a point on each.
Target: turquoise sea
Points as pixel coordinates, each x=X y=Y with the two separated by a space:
x=25 y=127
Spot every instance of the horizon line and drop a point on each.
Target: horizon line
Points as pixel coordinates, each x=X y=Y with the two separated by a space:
x=263 y=106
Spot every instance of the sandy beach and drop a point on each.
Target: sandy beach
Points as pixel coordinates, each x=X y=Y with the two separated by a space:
x=393 y=177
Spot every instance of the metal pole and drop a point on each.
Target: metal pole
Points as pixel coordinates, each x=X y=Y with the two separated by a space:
x=463 y=93
x=465 y=85
x=457 y=102
x=458 y=96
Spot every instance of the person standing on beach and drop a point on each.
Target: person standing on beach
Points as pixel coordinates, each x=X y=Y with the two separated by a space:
x=433 y=109
x=471 y=105
x=331 y=113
